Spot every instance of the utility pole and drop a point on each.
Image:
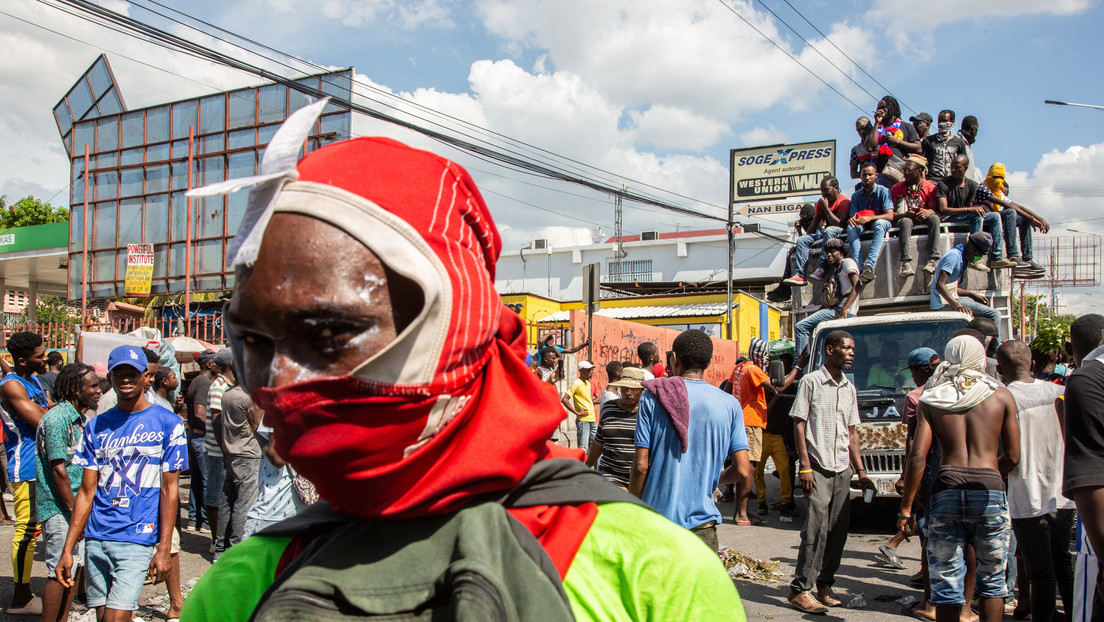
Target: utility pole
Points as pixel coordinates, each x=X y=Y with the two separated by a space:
x=618 y=230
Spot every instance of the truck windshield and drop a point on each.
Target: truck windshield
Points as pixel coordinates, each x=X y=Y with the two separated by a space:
x=881 y=353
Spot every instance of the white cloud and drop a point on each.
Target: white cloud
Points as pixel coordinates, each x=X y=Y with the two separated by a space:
x=693 y=55
x=667 y=127
x=407 y=14
x=763 y=136
x=899 y=17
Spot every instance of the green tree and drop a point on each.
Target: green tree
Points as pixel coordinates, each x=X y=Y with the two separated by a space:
x=29 y=211
x=49 y=310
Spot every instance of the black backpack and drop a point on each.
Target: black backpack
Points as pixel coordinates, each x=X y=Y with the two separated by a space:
x=476 y=564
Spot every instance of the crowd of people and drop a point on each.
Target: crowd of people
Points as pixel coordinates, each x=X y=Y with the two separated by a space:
x=397 y=387
x=911 y=178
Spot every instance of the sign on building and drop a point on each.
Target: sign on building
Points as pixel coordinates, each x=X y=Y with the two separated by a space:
x=139 y=272
x=780 y=171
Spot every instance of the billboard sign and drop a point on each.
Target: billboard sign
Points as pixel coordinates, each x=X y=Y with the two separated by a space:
x=780 y=171
x=139 y=270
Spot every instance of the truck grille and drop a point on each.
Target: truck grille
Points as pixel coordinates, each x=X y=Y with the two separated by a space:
x=883 y=460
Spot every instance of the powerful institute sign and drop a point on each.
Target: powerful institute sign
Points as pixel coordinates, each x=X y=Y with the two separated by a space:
x=780 y=171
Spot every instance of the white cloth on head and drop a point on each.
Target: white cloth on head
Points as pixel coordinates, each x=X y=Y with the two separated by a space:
x=959 y=383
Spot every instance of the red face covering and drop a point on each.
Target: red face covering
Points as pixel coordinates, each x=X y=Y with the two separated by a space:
x=479 y=421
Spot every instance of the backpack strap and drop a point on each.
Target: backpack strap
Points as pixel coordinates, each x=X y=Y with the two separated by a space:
x=564 y=481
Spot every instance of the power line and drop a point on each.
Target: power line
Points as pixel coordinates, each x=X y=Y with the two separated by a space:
x=791 y=56
x=833 y=44
x=813 y=48
x=613 y=180
x=174 y=42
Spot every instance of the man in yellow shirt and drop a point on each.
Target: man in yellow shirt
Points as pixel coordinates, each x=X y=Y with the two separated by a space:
x=579 y=399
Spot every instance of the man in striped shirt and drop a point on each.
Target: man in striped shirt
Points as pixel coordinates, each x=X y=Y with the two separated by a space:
x=826 y=409
x=217 y=504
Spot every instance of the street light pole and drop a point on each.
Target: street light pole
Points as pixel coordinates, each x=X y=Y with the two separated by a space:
x=1058 y=103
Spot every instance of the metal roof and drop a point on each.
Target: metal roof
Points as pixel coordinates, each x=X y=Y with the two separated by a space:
x=641 y=313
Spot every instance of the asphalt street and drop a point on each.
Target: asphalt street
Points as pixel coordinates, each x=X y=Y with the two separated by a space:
x=863 y=571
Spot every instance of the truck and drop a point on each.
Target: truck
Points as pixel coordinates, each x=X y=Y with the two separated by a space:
x=882 y=343
x=894 y=318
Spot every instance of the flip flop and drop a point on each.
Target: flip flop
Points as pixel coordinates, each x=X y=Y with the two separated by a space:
x=755 y=520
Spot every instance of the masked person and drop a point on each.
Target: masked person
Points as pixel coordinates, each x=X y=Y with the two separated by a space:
x=395 y=381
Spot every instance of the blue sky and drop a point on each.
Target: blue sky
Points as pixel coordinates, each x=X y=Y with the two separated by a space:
x=655 y=91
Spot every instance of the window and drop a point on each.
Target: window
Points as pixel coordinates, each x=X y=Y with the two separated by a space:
x=628 y=271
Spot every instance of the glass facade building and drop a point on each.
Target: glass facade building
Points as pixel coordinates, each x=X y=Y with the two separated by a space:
x=141 y=162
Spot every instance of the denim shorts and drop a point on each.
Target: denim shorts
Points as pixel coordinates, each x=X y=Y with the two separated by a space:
x=216 y=476
x=115 y=572
x=958 y=518
x=54 y=531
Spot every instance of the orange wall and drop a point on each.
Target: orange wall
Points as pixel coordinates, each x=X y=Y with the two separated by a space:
x=616 y=340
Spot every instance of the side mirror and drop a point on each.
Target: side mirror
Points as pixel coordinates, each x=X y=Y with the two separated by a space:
x=777 y=373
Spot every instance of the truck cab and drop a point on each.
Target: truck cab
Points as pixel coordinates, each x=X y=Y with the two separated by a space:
x=882 y=345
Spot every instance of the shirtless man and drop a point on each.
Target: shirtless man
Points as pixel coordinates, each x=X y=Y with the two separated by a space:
x=971 y=417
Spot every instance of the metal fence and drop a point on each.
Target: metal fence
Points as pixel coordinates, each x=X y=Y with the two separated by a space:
x=57 y=336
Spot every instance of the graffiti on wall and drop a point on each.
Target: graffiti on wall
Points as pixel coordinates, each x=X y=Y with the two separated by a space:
x=617 y=340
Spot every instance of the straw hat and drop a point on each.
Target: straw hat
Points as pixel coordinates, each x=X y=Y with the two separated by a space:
x=631 y=377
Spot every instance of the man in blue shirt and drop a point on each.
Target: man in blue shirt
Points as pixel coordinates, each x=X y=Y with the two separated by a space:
x=24 y=403
x=946 y=294
x=874 y=198
x=132 y=455
x=685 y=429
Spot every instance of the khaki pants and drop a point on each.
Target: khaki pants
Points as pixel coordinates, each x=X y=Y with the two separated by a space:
x=774 y=447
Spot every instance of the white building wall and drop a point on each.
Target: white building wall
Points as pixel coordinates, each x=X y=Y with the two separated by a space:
x=558 y=272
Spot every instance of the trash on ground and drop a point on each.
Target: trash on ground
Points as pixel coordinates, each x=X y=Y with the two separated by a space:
x=744 y=566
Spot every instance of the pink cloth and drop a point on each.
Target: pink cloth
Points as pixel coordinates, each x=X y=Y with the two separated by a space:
x=671 y=393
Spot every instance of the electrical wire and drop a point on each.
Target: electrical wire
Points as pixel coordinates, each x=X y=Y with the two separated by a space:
x=791 y=56
x=813 y=48
x=521 y=145
x=833 y=44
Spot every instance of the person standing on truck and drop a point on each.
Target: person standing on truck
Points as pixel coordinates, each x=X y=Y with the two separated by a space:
x=871 y=208
x=826 y=413
x=839 y=297
x=947 y=294
x=972 y=418
x=829 y=222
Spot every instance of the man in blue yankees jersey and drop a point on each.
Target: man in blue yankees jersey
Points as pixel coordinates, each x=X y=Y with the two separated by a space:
x=132 y=455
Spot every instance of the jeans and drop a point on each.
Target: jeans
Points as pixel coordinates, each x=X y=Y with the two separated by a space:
x=239 y=492
x=54 y=531
x=1044 y=544
x=804 y=329
x=880 y=228
x=991 y=222
x=114 y=572
x=1026 y=246
x=1008 y=219
x=585 y=433
x=959 y=518
x=905 y=226
x=197 y=468
x=978 y=309
x=828 y=234
x=824 y=533
x=216 y=474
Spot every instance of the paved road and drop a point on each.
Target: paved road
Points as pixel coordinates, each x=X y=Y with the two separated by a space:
x=862 y=570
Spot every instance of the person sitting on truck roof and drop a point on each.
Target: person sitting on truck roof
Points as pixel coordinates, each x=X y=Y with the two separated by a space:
x=1017 y=218
x=916 y=201
x=963 y=198
x=829 y=220
x=804 y=227
x=946 y=294
x=839 y=297
x=871 y=208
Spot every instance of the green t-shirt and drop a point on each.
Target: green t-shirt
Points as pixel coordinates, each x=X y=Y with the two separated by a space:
x=633 y=565
x=59 y=436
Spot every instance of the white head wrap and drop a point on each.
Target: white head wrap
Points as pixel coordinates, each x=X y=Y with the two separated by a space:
x=959 y=383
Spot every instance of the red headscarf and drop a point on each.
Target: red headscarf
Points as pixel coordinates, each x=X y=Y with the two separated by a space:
x=448 y=411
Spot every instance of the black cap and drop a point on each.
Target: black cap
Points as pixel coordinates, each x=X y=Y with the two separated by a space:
x=923 y=116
